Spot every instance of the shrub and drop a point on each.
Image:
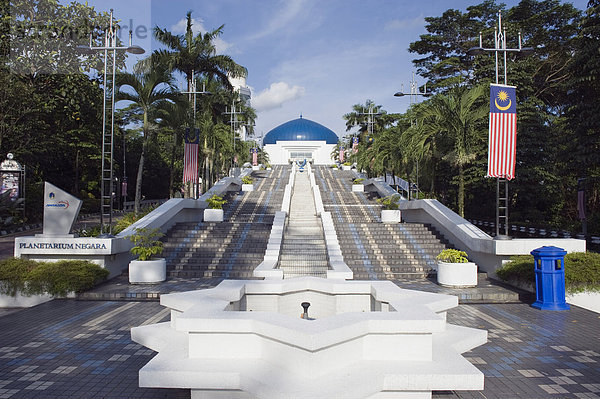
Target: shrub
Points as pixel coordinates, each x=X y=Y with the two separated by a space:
x=216 y=202
x=390 y=202
x=247 y=180
x=358 y=181
x=347 y=163
x=452 y=256
x=56 y=278
x=147 y=244
x=582 y=271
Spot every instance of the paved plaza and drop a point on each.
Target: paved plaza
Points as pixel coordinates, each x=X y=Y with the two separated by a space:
x=83 y=349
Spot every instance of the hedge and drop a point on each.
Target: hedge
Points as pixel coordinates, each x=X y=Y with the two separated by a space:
x=55 y=278
x=582 y=271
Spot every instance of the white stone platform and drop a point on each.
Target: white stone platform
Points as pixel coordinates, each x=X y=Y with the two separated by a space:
x=368 y=339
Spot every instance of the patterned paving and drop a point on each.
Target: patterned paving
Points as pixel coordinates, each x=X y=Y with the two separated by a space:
x=82 y=349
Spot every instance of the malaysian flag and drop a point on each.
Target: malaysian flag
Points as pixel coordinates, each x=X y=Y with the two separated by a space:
x=190 y=158
x=342 y=154
x=254 y=152
x=355 y=144
x=503 y=132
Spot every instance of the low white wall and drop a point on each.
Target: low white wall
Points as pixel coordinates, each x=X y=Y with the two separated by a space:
x=489 y=254
x=586 y=300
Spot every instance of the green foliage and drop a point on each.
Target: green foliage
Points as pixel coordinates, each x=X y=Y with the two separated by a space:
x=216 y=202
x=452 y=256
x=582 y=271
x=247 y=180
x=147 y=244
x=55 y=278
x=390 y=202
x=347 y=163
x=358 y=181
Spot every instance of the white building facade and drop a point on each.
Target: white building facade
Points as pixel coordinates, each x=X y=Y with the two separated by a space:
x=300 y=139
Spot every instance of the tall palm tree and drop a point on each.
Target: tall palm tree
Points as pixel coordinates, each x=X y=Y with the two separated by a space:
x=148 y=90
x=456 y=120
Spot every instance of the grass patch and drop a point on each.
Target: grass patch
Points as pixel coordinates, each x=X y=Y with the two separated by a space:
x=582 y=271
x=55 y=278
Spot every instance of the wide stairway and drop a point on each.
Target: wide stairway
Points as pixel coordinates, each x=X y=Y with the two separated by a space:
x=303 y=251
x=234 y=248
x=374 y=250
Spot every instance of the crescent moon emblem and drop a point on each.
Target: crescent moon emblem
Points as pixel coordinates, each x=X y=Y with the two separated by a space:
x=503 y=108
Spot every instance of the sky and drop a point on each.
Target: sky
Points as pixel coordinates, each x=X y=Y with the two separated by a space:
x=315 y=58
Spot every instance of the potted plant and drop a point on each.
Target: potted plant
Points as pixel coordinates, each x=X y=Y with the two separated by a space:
x=334 y=166
x=347 y=166
x=358 y=185
x=455 y=270
x=214 y=213
x=247 y=183
x=147 y=268
x=268 y=166
x=390 y=212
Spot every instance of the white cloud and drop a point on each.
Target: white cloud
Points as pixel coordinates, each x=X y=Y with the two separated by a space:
x=282 y=18
x=198 y=27
x=276 y=95
x=404 y=24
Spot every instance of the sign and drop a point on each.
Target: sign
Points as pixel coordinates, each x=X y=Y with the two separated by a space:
x=9 y=177
x=60 y=211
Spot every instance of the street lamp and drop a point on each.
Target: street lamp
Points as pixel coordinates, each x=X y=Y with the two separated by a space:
x=500 y=47
x=106 y=182
x=414 y=92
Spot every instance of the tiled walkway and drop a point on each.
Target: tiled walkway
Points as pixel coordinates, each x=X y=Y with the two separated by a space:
x=82 y=349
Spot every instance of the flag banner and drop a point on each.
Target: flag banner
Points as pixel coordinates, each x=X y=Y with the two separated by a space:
x=502 y=144
x=342 y=154
x=254 y=156
x=190 y=156
x=581 y=203
x=355 y=144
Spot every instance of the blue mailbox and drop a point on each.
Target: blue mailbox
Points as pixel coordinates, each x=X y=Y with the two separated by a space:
x=550 y=278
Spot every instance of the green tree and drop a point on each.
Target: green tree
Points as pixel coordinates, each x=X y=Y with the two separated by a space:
x=148 y=90
x=457 y=120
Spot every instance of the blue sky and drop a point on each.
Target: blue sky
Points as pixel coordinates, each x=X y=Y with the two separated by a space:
x=311 y=57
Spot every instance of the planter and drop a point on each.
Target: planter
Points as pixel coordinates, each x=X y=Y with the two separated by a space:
x=256 y=167
x=346 y=167
x=587 y=300
x=334 y=168
x=213 y=215
x=147 y=271
x=269 y=168
x=247 y=187
x=390 y=216
x=457 y=274
x=358 y=188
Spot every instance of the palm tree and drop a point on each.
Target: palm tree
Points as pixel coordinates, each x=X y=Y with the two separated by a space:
x=148 y=90
x=455 y=119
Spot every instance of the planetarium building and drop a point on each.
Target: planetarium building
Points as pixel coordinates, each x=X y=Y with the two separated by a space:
x=300 y=139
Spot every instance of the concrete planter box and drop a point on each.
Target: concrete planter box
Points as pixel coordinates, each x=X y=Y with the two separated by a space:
x=213 y=215
x=269 y=168
x=358 y=188
x=147 y=271
x=457 y=274
x=586 y=300
x=247 y=187
x=27 y=301
x=346 y=167
x=390 y=216
x=256 y=167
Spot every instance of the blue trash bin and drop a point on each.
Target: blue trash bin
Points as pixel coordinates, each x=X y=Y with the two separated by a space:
x=550 y=278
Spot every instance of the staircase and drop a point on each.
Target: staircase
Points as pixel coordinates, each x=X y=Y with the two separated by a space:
x=374 y=250
x=303 y=251
x=231 y=249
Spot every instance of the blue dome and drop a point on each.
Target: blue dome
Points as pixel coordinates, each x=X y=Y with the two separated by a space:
x=300 y=130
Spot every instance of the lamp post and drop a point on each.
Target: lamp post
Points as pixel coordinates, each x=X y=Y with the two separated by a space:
x=106 y=182
x=500 y=47
x=193 y=92
x=414 y=92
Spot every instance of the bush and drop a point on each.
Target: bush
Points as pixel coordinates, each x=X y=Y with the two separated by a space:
x=147 y=244
x=390 y=202
x=216 y=202
x=358 y=181
x=247 y=180
x=452 y=256
x=582 y=271
x=55 y=278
